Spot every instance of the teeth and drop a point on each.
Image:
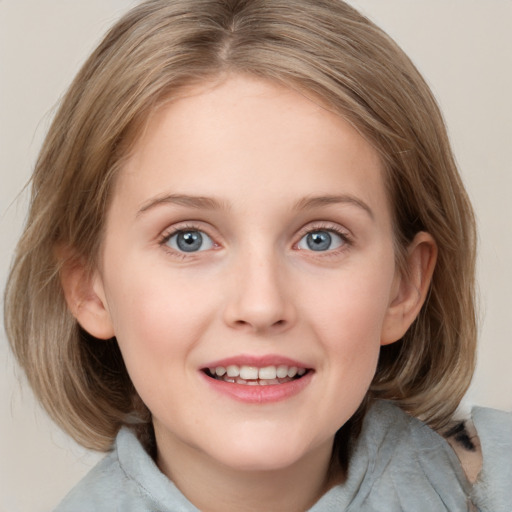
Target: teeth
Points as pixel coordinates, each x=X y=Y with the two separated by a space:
x=269 y=372
x=232 y=370
x=282 y=371
x=250 y=374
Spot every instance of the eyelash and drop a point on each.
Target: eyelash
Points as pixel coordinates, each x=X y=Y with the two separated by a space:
x=330 y=228
x=168 y=234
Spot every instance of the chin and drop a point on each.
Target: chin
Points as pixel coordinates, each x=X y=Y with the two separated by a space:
x=261 y=462
x=267 y=455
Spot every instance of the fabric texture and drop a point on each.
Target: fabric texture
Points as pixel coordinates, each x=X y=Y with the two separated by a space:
x=398 y=464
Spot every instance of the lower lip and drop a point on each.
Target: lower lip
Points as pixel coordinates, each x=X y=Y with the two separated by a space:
x=259 y=394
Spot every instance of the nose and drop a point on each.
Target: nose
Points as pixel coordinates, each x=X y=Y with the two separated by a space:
x=260 y=301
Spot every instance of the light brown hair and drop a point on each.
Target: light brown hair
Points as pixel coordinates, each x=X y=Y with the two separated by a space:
x=328 y=51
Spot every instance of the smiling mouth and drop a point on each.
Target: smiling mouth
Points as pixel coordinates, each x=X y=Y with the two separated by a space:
x=255 y=376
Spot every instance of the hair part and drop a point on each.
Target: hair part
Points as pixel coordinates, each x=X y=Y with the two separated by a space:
x=328 y=51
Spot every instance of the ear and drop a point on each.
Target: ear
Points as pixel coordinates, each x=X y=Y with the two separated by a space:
x=410 y=288
x=85 y=296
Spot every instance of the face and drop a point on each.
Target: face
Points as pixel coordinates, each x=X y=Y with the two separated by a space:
x=248 y=273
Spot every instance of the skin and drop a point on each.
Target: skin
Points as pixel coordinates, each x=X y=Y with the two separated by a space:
x=261 y=152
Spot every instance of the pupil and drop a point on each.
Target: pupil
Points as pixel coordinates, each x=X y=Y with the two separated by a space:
x=189 y=241
x=319 y=241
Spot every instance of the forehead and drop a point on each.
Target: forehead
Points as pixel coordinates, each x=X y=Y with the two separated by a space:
x=243 y=137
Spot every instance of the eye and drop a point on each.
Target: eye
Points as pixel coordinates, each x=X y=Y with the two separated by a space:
x=190 y=240
x=321 y=240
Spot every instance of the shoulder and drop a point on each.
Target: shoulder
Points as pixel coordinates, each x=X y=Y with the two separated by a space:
x=474 y=465
x=464 y=441
x=105 y=488
x=126 y=480
x=399 y=463
x=483 y=445
x=97 y=490
x=493 y=487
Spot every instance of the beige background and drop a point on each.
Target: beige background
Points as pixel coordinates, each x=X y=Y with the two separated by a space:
x=463 y=47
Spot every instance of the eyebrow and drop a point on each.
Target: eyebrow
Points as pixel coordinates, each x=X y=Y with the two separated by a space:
x=197 y=202
x=210 y=203
x=319 y=201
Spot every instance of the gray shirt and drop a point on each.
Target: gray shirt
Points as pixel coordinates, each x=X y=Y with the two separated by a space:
x=398 y=464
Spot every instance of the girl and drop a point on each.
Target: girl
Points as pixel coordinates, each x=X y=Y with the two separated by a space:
x=248 y=270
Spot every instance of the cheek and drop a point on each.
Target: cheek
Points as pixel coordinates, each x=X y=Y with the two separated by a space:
x=348 y=318
x=157 y=324
x=155 y=313
x=352 y=306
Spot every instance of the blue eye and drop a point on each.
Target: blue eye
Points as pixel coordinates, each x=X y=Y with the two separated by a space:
x=190 y=240
x=321 y=240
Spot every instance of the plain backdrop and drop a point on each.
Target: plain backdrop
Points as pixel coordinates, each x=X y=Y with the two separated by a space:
x=464 y=49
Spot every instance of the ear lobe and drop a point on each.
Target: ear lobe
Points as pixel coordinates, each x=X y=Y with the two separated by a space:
x=411 y=288
x=83 y=290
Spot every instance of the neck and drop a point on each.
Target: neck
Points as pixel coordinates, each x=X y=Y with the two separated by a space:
x=212 y=486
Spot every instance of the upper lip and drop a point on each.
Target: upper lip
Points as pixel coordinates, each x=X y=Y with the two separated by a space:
x=257 y=361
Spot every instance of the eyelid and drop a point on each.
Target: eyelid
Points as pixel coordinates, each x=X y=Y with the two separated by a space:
x=184 y=226
x=335 y=228
x=170 y=231
x=204 y=239
x=325 y=226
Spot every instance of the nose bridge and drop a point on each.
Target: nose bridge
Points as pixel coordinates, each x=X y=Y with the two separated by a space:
x=259 y=300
